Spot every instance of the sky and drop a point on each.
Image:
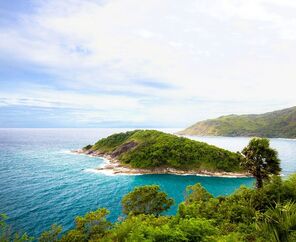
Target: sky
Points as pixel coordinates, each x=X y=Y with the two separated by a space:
x=148 y=63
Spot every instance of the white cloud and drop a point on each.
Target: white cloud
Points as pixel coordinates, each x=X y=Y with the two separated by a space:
x=65 y=99
x=221 y=51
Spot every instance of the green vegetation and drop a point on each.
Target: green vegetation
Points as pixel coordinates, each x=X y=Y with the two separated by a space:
x=261 y=160
x=280 y=124
x=54 y=234
x=6 y=235
x=151 y=148
x=146 y=200
x=112 y=142
x=91 y=227
x=280 y=222
x=267 y=213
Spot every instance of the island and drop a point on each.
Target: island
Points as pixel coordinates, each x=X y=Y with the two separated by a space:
x=155 y=152
x=277 y=124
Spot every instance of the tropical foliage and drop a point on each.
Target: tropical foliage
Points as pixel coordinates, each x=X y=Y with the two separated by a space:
x=260 y=160
x=6 y=234
x=146 y=200
x=279 y=222
x=265 y=214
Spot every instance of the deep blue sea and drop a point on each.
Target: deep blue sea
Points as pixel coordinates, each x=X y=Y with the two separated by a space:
x=42 y=183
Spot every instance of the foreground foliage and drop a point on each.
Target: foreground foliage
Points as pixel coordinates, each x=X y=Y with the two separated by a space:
x=6 y=235
x=279 y=222
x=264 y=214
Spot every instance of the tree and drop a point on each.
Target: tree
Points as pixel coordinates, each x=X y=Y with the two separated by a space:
x=7 y=236
x=196 y=193
x=91 y=227
x=146 y=200
x=52 y=235
x=260 y=160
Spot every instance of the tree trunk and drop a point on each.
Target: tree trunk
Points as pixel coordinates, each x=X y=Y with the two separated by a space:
x=259 y=182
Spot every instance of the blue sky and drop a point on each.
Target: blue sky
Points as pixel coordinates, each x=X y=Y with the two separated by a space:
x=145 y=63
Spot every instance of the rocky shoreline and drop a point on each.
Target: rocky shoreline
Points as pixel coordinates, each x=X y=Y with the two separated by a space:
x=114 y=167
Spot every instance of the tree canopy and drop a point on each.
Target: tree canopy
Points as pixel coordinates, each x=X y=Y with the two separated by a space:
x=146 y=200
x=261 y=160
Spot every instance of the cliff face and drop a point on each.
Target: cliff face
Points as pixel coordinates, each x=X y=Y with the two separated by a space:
x=277 y=124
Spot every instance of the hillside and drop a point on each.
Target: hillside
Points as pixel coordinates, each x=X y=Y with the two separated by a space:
x=150 y=148
x=277 y=124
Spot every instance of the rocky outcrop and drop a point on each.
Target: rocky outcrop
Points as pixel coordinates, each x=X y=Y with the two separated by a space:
x=123 y=148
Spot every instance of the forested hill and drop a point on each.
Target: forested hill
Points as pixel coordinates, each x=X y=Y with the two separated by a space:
x=277 y=124
x=151 y=148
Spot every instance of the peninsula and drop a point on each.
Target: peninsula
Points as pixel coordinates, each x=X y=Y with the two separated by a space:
x=155 y=152
x=277 y=124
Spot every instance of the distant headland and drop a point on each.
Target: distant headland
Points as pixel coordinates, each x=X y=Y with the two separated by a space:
x=155 y=152
x=277 y=124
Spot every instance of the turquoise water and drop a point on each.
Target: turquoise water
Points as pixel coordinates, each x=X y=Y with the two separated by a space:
x=42 y=183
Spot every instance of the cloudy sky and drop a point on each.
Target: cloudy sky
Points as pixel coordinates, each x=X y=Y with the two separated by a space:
x=147 y=63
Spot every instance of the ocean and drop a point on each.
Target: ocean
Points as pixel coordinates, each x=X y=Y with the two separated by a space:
x=42 y=182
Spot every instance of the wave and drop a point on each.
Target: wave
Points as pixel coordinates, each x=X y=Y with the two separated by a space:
x=107 y=172
x=70 y=152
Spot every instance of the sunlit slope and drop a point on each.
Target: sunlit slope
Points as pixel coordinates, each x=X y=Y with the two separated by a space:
x=277 y=124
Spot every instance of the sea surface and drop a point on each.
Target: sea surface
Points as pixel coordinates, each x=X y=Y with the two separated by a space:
x=42 y=182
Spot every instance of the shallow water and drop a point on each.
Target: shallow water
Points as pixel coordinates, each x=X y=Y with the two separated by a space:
x=42 y=183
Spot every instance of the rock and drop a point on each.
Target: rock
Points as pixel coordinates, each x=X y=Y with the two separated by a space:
x=123 y=148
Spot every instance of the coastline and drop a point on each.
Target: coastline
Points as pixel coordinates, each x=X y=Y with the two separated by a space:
x=112 y=166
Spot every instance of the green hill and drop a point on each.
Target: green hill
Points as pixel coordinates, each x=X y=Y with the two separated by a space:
x=277 y=124
x=151 y=149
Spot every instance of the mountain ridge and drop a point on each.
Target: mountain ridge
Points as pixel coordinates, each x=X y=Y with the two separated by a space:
x=275 y=124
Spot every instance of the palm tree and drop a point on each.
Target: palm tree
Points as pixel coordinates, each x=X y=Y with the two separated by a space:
x=260 y=160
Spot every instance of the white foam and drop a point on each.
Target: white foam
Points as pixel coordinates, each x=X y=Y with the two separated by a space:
x=71 y=152
x=108 y=172
x=91 y=170
x=68 y=152
x=96 y=171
